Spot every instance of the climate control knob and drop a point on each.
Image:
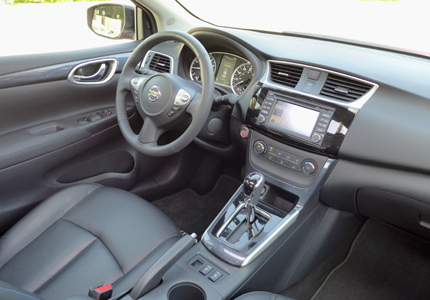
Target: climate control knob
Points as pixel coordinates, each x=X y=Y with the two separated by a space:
x=309 y=167
x=260 y=147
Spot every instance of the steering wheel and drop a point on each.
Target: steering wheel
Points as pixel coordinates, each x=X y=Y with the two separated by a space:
x=162 y=99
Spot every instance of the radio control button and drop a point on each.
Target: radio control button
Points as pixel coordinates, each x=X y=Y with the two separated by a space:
x=259 y=147
x=261 y=119
x=316 y=137
x=324 y=120
x=319 y=129
x=326 y=115
x=323 y=125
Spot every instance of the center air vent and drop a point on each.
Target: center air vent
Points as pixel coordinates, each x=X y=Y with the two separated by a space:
x=160 y=63
x=285 y=74
x=343 y=88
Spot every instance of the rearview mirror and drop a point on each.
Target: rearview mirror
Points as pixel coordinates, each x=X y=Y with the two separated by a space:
x=114 y=21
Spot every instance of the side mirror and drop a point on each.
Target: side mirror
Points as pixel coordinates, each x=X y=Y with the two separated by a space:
x=114 y=21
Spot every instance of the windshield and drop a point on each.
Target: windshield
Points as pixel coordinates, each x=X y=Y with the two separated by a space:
x=397 y=23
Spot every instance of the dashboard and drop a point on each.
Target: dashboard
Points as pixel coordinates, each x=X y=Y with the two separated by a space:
x=310 y=99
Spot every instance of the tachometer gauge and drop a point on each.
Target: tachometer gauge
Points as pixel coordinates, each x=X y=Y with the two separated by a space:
x=241 y=78
x=195 y=72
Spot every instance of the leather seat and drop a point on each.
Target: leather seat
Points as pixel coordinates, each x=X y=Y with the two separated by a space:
x=262 y=296
x=86 y=235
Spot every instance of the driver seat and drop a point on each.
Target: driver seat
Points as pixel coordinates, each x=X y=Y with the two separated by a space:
x=84 y=236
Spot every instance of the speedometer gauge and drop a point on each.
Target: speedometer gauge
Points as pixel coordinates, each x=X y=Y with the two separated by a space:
x=241 y=78
x=195 y=72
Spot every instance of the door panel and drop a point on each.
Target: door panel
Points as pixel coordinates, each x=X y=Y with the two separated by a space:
x=56 y=132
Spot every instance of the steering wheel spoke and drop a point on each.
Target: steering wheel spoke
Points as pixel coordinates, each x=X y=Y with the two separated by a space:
x=149 y=133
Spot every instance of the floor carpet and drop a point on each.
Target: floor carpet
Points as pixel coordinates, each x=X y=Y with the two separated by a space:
x=194 y=213
x=383 y=264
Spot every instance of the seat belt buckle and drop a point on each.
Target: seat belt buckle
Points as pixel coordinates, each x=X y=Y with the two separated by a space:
x=103 y=292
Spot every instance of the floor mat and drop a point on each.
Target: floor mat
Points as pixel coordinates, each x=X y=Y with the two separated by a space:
x=194 y=213
x=384 y=263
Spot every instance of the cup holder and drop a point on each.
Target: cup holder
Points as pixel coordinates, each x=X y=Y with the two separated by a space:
x=186 y=291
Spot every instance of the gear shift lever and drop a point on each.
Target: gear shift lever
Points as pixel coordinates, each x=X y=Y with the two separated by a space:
x=252 y=187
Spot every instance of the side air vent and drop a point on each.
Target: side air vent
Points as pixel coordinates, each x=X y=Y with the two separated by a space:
x=343 y=88
x=160 y=63
x=285 y=74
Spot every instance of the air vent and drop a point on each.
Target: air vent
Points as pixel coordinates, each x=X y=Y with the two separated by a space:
x=343 y=88
x=285 y=74
x=160 y=63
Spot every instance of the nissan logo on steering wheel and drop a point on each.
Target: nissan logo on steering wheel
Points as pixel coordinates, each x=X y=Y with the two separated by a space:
x=154 y=93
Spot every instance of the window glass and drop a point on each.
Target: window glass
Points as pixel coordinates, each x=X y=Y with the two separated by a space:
x=44 y=26
x=402 y=24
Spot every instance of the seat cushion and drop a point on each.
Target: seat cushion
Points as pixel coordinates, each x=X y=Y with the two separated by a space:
x=86 y=235
x=262 y=296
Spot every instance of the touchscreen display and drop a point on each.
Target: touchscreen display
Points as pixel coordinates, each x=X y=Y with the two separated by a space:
x=294 y=118
x=226 y=69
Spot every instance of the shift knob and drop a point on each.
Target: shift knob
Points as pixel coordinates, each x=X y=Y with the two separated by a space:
x=252 y=187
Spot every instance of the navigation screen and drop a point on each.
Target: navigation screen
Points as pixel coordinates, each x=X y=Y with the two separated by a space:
x=226 y=69
x=294 y=118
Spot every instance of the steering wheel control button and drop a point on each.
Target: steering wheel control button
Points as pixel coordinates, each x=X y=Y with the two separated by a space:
x=259 y=147
x=309 y=167
x=182 y=97
x=314 y=75
x=135 y=83
x=206 y=269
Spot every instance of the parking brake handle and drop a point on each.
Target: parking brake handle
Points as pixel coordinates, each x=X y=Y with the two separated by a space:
x=152 y=278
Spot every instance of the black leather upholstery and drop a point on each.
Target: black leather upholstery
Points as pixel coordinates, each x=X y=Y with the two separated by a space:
x=83 y=236
x=262 y=296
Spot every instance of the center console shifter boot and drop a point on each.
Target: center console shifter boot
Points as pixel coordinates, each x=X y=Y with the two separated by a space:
x=152 y=278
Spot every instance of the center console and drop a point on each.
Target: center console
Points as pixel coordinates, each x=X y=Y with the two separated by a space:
x=275 y=217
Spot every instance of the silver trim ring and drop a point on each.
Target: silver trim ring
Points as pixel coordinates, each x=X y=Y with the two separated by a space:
x=154 y=93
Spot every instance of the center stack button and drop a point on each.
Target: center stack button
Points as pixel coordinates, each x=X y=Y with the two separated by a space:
x=260 y=147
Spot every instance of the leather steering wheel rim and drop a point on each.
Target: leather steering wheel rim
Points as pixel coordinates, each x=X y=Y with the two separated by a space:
x=199 y=106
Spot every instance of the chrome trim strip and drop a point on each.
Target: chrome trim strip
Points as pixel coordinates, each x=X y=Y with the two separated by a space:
x=353 y=104
x=236 y=212
x=161 y=53
x=234 y=257
x=113 y=63
x=226 y=223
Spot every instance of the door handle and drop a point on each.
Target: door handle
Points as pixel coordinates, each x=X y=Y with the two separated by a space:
x=104 y=73
x=95 y=77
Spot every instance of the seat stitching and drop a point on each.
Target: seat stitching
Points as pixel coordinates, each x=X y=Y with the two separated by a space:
x=67 y=264
x=19 y=293
x=60 y=218
x=98 y=238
